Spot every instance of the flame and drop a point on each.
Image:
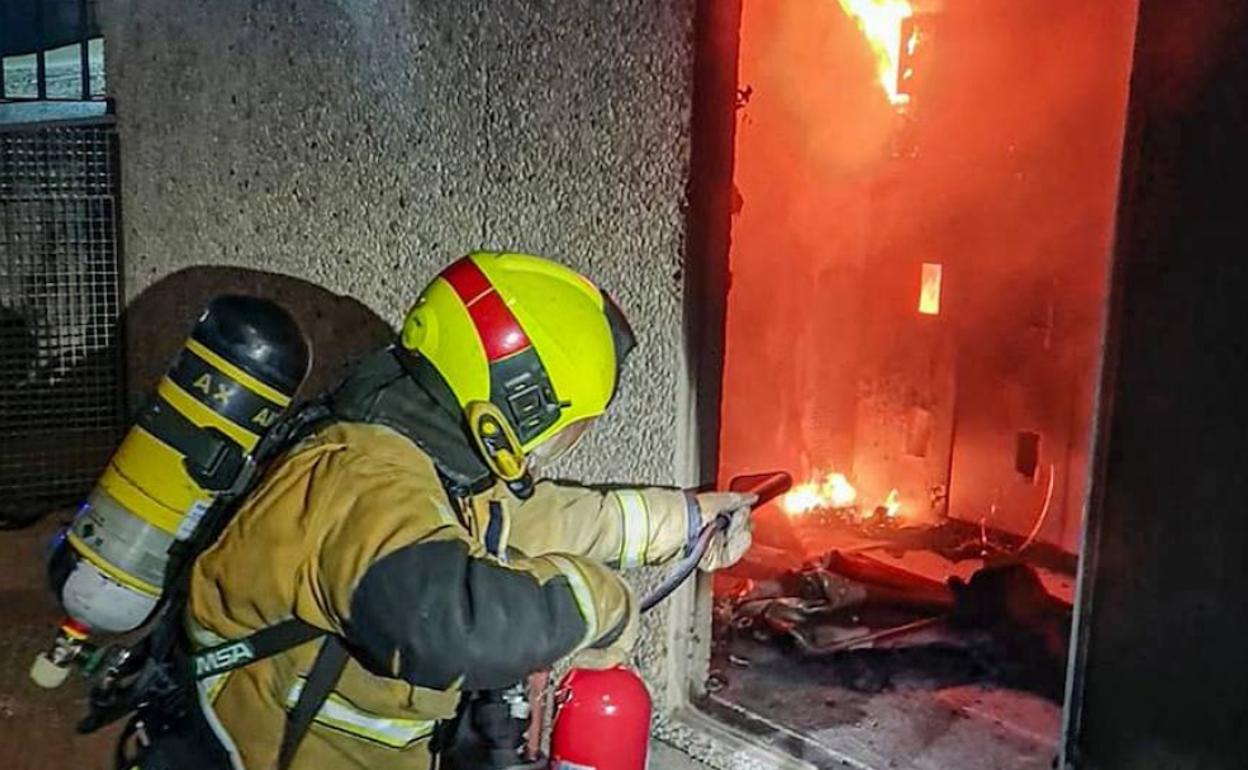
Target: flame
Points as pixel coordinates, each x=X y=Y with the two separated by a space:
x=834 y=491
x=892 y=504
x=880 y=21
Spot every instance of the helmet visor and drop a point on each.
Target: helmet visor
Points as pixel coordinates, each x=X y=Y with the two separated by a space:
x=558 y=445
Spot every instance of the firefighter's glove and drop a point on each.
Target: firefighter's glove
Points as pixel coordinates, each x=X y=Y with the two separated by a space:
x=729 y=545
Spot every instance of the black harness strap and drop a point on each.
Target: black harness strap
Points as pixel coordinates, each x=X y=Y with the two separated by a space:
x=276 y=639
x=265 y=643
x=326 y=669
x=212 y=458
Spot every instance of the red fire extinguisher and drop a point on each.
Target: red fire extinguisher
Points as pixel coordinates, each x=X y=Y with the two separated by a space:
x=602 y=721
x=602 y=718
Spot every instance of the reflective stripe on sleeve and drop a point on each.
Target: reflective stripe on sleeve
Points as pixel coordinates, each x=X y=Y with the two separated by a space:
x=635 y=529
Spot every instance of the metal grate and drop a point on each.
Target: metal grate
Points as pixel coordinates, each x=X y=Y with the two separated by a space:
x=61 y=370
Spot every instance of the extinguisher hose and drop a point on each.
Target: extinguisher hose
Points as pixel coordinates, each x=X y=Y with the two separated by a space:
x=764 y=486
x=685 y=567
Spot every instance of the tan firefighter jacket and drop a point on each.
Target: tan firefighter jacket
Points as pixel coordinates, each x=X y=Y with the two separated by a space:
x=353 y=532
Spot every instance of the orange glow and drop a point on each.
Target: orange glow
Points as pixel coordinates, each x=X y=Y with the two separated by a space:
x=834 y=491
x=929 y=291
x=829 y=363
x=892 y=504
x=880 y=21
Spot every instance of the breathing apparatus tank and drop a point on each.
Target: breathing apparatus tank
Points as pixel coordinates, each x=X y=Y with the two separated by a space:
x=231 y=381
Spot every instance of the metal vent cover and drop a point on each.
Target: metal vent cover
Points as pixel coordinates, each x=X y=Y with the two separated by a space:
x=61 y=363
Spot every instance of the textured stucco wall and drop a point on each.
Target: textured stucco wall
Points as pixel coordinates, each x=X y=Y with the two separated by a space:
x=360 y=145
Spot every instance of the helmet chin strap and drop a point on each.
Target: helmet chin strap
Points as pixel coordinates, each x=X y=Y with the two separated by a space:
x=499 y=446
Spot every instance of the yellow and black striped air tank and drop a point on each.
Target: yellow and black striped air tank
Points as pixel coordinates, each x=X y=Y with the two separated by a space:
x=234 y=377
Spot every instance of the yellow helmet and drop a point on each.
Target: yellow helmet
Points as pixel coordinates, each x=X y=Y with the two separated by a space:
x=530 y=348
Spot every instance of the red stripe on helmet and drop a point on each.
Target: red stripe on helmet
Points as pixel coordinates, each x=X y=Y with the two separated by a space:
x=498 y=329
x=467 y=279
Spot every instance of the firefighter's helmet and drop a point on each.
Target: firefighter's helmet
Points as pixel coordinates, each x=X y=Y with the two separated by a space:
x=531 y=349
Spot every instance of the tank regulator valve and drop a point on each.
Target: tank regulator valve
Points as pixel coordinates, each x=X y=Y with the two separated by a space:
x=51 y=667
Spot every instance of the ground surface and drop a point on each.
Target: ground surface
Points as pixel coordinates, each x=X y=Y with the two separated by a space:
x=664 y=757
x=925 y=710
x=37 y=726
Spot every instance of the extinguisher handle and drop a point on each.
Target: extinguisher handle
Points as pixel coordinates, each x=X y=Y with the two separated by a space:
x=765 y=486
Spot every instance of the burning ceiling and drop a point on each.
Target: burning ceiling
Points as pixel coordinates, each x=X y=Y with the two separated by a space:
x=881 y=22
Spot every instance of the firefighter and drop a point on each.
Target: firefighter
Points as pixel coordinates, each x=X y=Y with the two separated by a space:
x=412 y=530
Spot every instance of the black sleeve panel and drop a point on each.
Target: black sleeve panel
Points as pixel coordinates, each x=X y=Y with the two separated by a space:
x=430 y=613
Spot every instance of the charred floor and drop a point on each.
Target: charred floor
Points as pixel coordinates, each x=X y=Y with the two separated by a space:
x=857 y=653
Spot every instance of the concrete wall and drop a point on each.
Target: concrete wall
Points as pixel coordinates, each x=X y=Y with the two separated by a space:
x=358 y=146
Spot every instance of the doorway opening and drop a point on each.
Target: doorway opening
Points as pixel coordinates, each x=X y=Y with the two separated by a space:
x=922 y=211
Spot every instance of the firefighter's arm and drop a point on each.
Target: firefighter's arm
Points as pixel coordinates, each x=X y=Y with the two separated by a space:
x=439 y=611
x=622 y=527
